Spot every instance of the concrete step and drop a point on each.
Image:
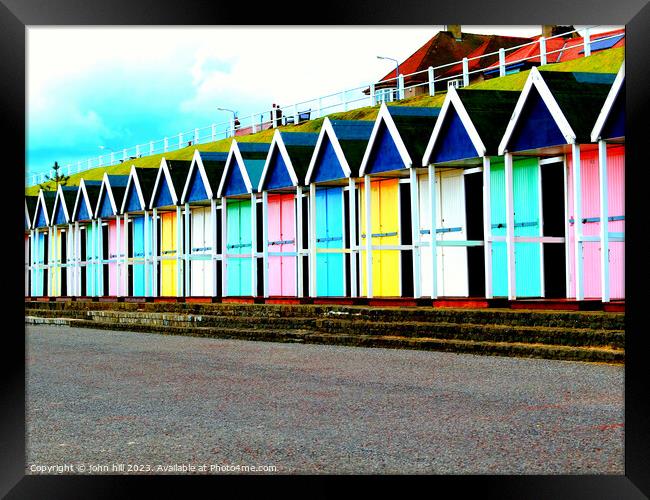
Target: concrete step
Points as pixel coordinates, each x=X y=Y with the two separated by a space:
x=479 y=332
x=531 y=350
x=558 y=319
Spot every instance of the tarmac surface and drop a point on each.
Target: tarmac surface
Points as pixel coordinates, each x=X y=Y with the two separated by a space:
x=122 y=402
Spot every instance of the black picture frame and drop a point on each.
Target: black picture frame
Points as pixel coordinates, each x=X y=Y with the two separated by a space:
x=15 y=15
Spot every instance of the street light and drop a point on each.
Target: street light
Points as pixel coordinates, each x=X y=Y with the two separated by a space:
x=112 y=153
x=396 y=72
x=234 y=117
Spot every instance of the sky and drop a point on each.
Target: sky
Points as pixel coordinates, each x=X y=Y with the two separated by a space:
x=118 y=87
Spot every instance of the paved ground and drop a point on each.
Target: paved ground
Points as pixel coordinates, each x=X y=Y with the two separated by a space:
x=101 y=398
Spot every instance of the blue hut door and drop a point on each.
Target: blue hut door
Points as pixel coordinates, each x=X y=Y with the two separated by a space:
x=137 y=237
x=330 y=272
x=526 y=184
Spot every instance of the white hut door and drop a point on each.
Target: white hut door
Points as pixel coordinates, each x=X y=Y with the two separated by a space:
x=452 y=211
x=197 y=283
x=425 y=225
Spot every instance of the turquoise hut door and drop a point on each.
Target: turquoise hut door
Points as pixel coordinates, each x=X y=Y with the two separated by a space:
x=330 y=272
x=90 y=254
x=526 y=185
x=137 y=236
x=238 y=248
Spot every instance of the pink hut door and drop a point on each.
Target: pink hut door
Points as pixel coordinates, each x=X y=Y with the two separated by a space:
x=591 y=226
x=281 y=234
x=616 y=187
x=288 y=236
x=112 y=255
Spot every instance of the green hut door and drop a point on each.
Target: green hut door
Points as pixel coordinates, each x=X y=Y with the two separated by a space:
x=238 y=247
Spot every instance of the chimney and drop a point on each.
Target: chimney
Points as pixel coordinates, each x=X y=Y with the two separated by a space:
x=455 y=31
x=547 y=30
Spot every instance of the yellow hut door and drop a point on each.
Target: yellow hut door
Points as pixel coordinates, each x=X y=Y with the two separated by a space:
x=168 y=252
x=384 y=214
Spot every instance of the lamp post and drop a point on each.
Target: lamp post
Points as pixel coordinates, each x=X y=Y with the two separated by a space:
x=232 y=120
x=111 y=150
x=396 y=72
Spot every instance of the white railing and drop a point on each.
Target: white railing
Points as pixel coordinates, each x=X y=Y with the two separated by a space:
x=344 y=100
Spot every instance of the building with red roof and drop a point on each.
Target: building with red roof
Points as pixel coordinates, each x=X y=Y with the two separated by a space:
x=446 y=47
x=559 y=49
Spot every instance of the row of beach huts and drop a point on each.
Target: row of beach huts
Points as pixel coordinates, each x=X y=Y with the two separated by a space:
x=524 y=191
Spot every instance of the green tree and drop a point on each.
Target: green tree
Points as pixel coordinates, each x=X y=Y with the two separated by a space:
x=52 y=181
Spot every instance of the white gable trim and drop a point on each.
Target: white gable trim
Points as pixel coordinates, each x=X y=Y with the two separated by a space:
x=60 y=200
x=234 y=155
x=163 y=170
x=609 y=102
x=536 y=79
x=80 y=193
x=27 y=217
x=328 y=130
x=133 y=177
x=197 y=162
x=385 y=116
x=452 y=99
x=41 y=201
x=106 y=184
x=277 y=141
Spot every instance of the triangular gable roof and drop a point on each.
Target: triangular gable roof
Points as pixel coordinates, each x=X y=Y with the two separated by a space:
x=347 y=139
x=484 y=116
x=571 y=99
x=44 y=206
x=604 y=115
x=140 y=183
x=210 y=167
x=30 y=210
x=112 y=189
x=172 y=175
x=409 y=129
x=65 y=197
x=249 y=158
x=295 y=150
x=89 y=193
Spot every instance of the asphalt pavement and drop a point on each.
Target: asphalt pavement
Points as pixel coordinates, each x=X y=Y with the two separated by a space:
x=123 y=402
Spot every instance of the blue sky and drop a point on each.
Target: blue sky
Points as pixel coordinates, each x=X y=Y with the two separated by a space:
x=117 y=87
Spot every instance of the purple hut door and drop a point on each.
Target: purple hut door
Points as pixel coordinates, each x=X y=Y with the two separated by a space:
x=274 y=235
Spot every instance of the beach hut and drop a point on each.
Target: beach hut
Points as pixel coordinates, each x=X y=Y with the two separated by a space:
x=609 y=133
x=389 y=208
x=137 y=231
x=202 y=224
x=333 y=243
x=42 y=285
x=241 y=240
x=168 y=227
x=65 y=261
x=87 y=240
x=30 y=209
x=284 y=213
x=548 y=137
x=112 y=247
x=462 y=156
